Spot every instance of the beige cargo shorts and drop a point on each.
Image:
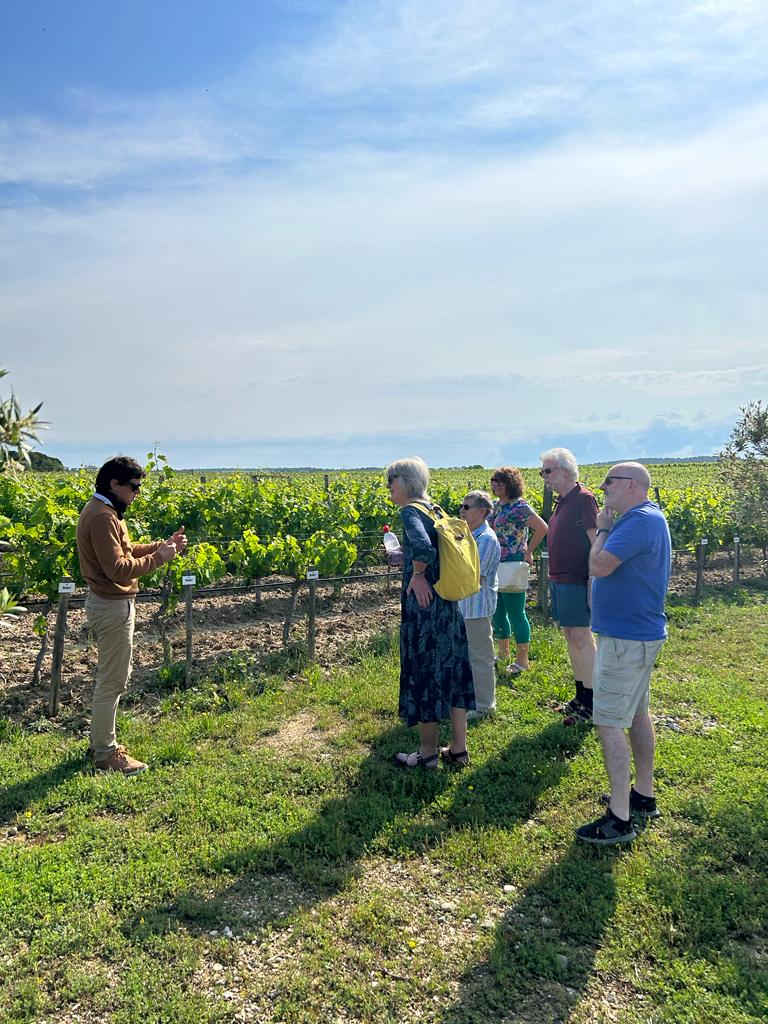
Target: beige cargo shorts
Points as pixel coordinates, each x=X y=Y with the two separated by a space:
x=622 y=679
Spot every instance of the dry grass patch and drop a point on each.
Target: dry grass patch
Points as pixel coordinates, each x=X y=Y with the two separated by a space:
x=303 y=732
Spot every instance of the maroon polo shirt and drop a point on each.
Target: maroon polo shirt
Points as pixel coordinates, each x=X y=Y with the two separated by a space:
x=567 y=541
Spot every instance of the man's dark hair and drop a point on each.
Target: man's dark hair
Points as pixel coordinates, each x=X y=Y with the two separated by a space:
x=120 y=468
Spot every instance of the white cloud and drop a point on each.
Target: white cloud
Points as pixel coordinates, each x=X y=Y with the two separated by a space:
x=422 y=44
x=454 y=76
x=382 y=273
x=568 y=254
x=114 y=142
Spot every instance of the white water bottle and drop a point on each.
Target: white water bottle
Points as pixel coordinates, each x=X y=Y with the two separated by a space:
x=391 y=543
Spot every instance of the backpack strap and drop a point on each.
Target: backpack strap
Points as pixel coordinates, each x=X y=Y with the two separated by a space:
x=426 y=509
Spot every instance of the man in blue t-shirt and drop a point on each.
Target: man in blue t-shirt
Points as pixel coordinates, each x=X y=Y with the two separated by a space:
x=630 y=560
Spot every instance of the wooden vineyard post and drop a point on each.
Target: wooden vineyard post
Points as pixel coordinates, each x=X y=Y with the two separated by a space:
x=544 y=584
x=66 y=587
x=546 y=505
x=328 y=492
x=546 y=515
x=188 y=582
x=700 y=555
x=658 y=496
x=312 y=576
x=736 y=561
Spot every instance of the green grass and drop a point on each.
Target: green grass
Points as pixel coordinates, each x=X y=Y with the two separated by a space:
x=274 y=865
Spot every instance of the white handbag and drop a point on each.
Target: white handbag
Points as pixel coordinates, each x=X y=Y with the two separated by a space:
x=513 y=577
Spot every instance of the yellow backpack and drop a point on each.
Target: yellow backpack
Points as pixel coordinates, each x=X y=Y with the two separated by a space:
x=459 y=558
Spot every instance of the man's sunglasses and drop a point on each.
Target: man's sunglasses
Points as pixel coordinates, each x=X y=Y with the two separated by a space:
x=134 y=487
x=610 y=479
x=546 y=472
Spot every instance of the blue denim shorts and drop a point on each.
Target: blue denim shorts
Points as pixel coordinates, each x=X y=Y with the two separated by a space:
x=569 y=604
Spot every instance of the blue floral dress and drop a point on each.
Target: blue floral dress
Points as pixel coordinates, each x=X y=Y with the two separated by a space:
x=435 y=673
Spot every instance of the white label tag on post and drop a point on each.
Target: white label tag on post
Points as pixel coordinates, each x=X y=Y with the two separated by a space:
x=735 y=540
x=313 y=574
x=188 y=581
x=67 y=587
x=704 y=540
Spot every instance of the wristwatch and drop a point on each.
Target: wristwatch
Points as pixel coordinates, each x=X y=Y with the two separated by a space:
x=603 y=529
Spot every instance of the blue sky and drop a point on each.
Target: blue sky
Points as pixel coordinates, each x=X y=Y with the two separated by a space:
x=299 y=232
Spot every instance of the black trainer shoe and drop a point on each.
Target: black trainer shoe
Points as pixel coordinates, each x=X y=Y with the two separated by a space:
x=581 y=714
x=607 y=831
x=641 y=807
x=570 y=707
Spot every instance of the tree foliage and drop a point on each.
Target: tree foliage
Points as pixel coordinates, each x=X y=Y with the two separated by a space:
x=18 y=430
x=744 y=468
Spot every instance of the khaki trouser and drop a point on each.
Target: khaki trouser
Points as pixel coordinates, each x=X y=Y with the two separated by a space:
x=482 y=660
x=112 y=622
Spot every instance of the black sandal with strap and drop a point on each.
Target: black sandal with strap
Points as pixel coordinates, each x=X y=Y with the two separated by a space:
x=459 y=758
x=416 y=760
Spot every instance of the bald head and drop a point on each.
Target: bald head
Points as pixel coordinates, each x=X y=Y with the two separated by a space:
x=636 y=471
x=626 y=485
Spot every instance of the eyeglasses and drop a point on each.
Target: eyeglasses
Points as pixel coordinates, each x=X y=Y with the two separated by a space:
x=610 y=479
x=466 y=508
x=134 y=487
x=546 y=472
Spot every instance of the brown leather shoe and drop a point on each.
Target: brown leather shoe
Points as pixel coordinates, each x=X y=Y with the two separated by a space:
x=120 y=761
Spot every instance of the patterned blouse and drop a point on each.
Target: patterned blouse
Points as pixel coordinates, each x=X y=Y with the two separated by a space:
x=509 y=522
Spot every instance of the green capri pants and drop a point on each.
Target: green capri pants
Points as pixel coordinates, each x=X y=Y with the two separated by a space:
x=510 y=618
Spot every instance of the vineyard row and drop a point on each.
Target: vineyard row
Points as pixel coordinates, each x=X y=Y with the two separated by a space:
x=167 y=602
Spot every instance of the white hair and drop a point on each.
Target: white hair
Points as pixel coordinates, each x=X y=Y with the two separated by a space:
x=564 y=458
x=414 y=473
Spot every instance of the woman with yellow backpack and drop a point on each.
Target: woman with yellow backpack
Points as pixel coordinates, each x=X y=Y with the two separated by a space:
x=435 y=673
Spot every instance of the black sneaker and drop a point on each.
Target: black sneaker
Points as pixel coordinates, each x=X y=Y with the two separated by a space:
x=607 y=831
x=642 y=807
x=568 y=709
x=580 y=714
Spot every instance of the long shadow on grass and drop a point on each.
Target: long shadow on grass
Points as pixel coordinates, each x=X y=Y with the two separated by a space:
x=321 y=857
x=544 y=947
x=18 y=797
x=708 y=904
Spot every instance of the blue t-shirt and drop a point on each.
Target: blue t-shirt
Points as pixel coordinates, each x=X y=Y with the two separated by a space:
x=629 y=604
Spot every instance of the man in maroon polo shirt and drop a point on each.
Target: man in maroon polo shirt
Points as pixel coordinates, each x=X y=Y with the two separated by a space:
x=571 y=533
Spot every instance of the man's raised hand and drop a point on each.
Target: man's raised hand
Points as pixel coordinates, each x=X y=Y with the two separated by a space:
x=179 y=539
x=167 y=550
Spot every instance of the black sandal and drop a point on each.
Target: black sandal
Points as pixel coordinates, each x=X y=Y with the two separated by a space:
x=459 y=758
x=416 y=760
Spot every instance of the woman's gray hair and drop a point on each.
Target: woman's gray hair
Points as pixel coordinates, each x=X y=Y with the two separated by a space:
x=414 y=473
x=564 y=458
x=482 y=499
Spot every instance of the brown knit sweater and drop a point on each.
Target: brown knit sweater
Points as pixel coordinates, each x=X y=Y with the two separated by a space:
x=110 y=564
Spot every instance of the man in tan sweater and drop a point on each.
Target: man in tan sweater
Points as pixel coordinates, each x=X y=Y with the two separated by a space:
x=111 y=566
